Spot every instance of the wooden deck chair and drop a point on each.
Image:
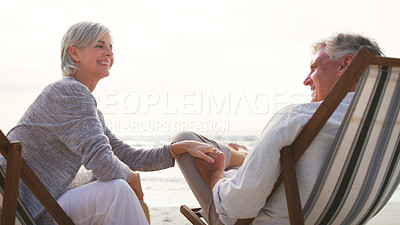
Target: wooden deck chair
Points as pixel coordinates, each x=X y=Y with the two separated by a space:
x=13 y=210
x=363 y=168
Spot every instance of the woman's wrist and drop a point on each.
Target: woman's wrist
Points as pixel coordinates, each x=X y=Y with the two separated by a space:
x=171 y=151
x=177 y=148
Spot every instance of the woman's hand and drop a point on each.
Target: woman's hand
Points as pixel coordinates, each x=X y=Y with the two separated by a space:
x=134 y=182
x=194 y=148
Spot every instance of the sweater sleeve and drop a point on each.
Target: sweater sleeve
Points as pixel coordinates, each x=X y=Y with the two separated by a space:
x=79 y=128
x=140 y=159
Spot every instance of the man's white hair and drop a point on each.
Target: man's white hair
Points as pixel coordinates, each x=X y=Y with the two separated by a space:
x=341 y=44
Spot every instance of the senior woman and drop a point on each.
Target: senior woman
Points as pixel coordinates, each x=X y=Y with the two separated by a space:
x=63 y=130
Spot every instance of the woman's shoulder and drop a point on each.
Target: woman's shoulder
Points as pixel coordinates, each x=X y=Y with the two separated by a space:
x=67 y=86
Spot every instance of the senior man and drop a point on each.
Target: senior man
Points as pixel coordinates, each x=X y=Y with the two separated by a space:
x=226 y=196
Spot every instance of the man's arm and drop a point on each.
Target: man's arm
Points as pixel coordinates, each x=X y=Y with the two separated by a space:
x=244 y=192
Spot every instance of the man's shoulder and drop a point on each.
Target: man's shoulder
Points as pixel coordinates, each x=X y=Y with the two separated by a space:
x=292 y=117
x=309 y=108
x=301 y=109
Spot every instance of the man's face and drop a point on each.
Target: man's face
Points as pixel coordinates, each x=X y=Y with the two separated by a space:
x=322 y=76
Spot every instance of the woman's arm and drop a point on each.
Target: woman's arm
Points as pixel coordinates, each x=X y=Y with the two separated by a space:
x=78 y=127
x=140 y=159
x=159 y=157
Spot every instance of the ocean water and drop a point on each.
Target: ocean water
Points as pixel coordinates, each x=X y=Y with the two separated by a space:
x=168 y=188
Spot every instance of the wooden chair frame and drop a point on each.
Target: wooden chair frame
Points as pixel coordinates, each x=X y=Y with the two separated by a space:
x=18 y=168
x=291 y=154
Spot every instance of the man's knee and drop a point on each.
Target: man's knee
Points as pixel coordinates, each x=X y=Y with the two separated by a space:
x=185 y=135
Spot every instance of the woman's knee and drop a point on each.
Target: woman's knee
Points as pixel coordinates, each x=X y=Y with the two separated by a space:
x=98 y=198
x=119 y=184
x=120 y=188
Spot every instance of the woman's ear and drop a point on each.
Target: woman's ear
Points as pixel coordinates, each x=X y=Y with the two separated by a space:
x=74 y=52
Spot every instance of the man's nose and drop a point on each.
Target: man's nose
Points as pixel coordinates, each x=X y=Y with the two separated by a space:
x=307 y=81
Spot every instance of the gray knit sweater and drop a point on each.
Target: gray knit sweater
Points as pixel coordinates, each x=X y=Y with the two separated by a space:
x=63 y=130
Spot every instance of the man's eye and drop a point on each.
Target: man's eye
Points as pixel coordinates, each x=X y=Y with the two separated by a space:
x=98 y=46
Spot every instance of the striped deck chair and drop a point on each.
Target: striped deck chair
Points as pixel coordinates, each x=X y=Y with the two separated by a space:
x=362 y=171
x=13 y=210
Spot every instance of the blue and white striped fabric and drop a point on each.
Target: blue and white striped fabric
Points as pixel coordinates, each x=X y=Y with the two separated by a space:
x=362 y=171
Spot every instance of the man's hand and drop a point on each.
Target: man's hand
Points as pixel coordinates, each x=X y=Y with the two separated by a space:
x=134 y=182
x=212 y=173
x=238 y=154
x=237 y=147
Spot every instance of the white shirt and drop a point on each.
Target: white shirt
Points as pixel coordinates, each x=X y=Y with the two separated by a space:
x=243 y=193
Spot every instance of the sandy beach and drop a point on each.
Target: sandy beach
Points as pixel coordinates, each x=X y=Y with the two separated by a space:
x=166 y=190
x=171 y=216
x=167 y=216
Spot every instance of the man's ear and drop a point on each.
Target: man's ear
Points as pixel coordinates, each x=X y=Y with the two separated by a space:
x=345 y=61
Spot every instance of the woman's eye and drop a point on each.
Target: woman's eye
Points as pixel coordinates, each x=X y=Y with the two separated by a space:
x=99 y=46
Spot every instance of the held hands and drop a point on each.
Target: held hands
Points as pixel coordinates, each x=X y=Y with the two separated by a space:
x=134 y=182
x=194 y=148
x=212 y=173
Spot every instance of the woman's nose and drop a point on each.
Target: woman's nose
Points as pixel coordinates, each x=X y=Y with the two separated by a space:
x=109 y=52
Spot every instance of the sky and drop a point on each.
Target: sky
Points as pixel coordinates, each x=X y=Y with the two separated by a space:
x=211 y=66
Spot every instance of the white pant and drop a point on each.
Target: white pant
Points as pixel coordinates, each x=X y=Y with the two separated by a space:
x=111 y=202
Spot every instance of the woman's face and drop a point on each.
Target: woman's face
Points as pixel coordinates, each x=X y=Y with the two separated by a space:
x=96 y=61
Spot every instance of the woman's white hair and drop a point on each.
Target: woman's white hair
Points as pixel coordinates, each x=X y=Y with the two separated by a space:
x=80 y=35
x=341 y=44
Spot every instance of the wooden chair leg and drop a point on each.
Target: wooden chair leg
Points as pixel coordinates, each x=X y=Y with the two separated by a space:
x=14 y=156
x=191 y=216
x=291 y=186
